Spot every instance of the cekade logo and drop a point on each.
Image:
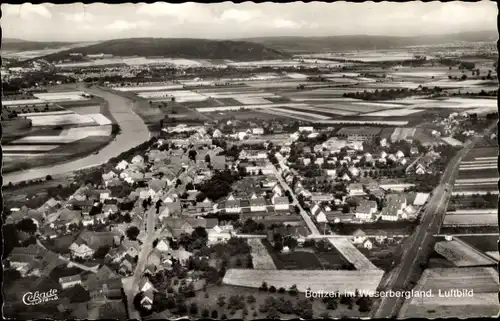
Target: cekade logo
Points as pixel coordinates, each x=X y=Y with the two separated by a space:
x=31 y=298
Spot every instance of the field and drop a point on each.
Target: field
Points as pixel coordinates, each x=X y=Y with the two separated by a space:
x=62 y=96
x=486 y=219
x=478 y=172
x=300 y=113
x=318 y=280
x=394 y=112
x=483 y=243
x=239 y=107
x=261 y=259
x=148 y=88
x=460 y=254
x=352 y=254
x=483 y=303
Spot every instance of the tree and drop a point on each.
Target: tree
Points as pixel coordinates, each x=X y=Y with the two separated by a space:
x=207 y=159
x=27 y=225
x=214 y=314
x=263 y=287
x=293 y=290
x=101 y=252
x=189 y=186
x=193 y=308
x=272 y=289
x=48 y=178
x=325 y=315
x=132 y=233
x=251 y=299
x=192 y=154
x=221 y=301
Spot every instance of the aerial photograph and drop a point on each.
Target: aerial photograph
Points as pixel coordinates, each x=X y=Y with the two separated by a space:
x=250 y=161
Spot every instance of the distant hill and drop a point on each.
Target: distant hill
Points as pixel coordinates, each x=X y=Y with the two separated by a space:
x=177 y=48
x=23 y=45
x=366 y=42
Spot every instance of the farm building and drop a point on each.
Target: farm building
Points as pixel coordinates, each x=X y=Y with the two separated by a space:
x=359 y=133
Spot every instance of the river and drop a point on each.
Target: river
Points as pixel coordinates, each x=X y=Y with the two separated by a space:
x=133 y=132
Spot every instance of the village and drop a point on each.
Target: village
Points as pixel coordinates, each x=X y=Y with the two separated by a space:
x=198 y=194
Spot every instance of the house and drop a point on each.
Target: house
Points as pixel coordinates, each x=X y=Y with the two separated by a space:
x=177 y=226
x=232 y=205
x=346 y=178
x=381 y=237
x=402 y=161
x=130 y=247
x=359 y=236
x=400 y=154
x=392 y=158
x=147 y=299
x=420 y=169
x=170 y=208
x=258 y=131
x=126 y=265
x=366 y=210
x=154 y=258
x=414 y=151
x=218 y=162
x=354 y=171
x=217 y=134
x=70 y=281
x=81 y=250
x=122 y=165
x=257 y=204
x=146 y=285
x=137 y=159
x=204 y=206
x=368 y=244
x=109 y=175
x=109 y=209
x=421 y=199
x=163 y=246
x=356 y=189
x=306 y=129
x=331 y=172
x=277 y=190
x=281 y=203
x=394 y=208
x=104 y=282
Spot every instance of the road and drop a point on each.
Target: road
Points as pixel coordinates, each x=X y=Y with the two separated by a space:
x=305 y=216
x=131 y=286
x=420 y=242
x=133 y=132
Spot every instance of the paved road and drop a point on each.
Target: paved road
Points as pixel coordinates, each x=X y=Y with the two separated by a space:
x=131 y=286
x=303 y=213
x=133 y=132
x=419 y=247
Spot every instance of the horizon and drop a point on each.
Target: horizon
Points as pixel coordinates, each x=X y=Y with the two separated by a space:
x=228 y=21
x=250 y=38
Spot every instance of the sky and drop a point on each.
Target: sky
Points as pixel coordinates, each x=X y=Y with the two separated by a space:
x=226 y=20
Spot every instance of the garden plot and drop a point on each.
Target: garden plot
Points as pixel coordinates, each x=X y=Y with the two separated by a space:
x=461 y=254
x=476 y=165
x=316 y=280
x=352 y=254
x=148 y=88
x=325 y=99
x=485 y=219
x=100 y=119
x=367 y=122
x=452 y=141
x=261 y=259
x=85 y=110
x=296 y=112
x=445 y=83
x=62 y=96
x=225 y=108
x=33 y=140
x=288 y=115
x=403 y=134
x=27 y=148
x=83 y=132
x=355 y=107
x=251 y=100
x=23 y=102
x=482 y=153
x=236 y=95
x=482 y=281
x=494 y=254
x=486 y=180
x=61 y=120
x=481 y=110
x=295 y=75
x=330 y=111
x=394 y=112
x=420 y=73
x=48 y=113
x=178 y=95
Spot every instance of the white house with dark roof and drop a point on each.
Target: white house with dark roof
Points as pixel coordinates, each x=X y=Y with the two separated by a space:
x=366 y=210
x=232 y=205
x=396 y=204
x=70 y=281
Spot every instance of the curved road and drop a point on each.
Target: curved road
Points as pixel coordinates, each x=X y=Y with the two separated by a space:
x=421 y=241
x=133 y=132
